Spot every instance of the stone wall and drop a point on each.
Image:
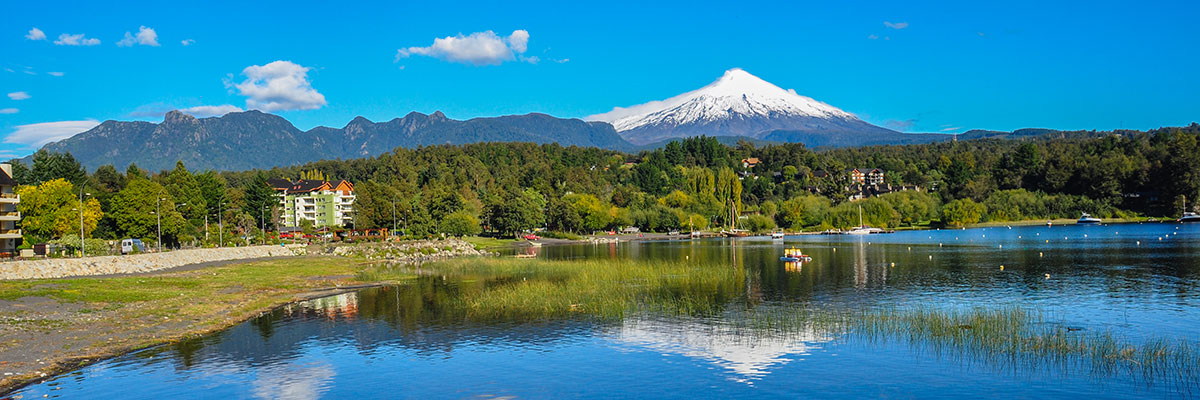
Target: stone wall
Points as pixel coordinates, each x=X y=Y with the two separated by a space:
x=64 y=267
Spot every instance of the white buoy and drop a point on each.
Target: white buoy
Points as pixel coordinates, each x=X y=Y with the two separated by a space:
x=930 y=257
x=1139 y=243
x=1002 y=246
x=939 y=245
x=1047 y=276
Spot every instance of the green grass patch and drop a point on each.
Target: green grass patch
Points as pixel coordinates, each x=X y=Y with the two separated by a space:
x=482 y=242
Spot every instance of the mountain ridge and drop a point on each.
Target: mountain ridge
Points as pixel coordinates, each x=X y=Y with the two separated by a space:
x=253 y=139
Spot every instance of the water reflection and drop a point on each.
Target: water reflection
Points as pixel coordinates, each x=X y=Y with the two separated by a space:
x=749 y=354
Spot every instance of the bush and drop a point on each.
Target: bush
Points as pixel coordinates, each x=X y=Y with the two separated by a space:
x=460 y=223
x=962 y=212
x=759 y=223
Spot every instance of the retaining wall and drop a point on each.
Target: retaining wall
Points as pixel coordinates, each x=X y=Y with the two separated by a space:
x=64 y=267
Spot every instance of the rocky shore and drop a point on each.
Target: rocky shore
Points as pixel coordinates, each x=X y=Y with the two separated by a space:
x=410 y=251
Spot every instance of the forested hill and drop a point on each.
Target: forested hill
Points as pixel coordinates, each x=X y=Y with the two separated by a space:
x=510 y=187
x=251 y=139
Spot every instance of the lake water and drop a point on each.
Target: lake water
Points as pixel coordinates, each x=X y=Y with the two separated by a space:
x=1139 y=281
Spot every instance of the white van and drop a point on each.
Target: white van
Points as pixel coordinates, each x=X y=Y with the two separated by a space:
x=128 y=245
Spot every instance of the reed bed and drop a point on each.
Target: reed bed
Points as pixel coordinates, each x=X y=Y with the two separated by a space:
x=520 y=289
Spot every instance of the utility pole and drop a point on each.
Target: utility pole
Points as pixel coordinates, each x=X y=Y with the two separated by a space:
x=393 y=216
x=220 y=224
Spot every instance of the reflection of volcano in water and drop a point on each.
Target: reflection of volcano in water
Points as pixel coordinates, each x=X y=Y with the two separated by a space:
x=745 y=352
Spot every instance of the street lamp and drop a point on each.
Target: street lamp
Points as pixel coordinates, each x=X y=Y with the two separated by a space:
x=220 y=224
x=158 y=215
x=82 y=249
x=393 y=216
x=262 y=221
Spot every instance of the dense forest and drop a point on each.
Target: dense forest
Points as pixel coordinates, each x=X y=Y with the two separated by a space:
x=506 y=188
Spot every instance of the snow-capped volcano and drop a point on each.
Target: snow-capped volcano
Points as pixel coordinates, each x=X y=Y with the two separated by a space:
x=737 y=104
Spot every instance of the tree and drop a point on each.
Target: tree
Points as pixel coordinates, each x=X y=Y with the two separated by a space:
x=135 y=209
x=460 y=223
x=512 y=213
x=561 y=217
x=51 y=210
x=182 y=186
x=593 y=213
x=259 y=197
x=962 y=212
x=49 y=166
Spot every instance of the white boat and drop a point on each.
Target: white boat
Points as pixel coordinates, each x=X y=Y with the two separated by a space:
x=777 y=235
x=1088 y=219
x=862 y=229
x=1188 y=216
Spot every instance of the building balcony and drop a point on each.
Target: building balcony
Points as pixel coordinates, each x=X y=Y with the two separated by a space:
x=10 y=233
x=10 y=198
x=10 y=216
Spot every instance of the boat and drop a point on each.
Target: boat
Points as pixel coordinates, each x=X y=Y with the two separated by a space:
x=794 y=255
x=1088 y=219
x=777 y=235
x=1188 y=216
x=735 y=233
x=862 y=229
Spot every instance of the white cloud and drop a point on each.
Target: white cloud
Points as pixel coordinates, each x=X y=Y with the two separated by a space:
x=211 y=111
x=18 y=95
x=873 y=37
x=479 y=48
x=36 y=34
x=145 y=36
x=895 y=25
x=187 y=42
x=55 y=73
x=38 y=134
x=278 y=86
x=9 y=111
x=67 y=39
x=563 y=61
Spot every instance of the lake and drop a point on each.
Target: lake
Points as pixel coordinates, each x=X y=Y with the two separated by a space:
x=1137 y=281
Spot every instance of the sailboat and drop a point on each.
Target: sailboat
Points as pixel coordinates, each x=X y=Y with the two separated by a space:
x=733 y=231
x=862 y=229
x=1188 y=216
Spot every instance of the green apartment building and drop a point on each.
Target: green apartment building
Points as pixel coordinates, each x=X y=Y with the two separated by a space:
x=324 y=203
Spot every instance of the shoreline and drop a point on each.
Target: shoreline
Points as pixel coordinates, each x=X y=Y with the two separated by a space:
x=53 y=326
x=57 y=367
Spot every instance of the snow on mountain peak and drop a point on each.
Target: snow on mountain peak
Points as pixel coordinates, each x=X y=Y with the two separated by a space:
x=736 y=95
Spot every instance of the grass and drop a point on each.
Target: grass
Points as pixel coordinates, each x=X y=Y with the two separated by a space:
x=525 y=289
x=482 y=242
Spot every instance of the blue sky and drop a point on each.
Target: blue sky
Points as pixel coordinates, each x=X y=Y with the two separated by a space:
x=918 y=67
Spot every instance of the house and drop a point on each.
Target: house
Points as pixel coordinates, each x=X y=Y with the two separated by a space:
x=749 y=163
x=10 y=234
x=326 y=204
x=866 y=176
